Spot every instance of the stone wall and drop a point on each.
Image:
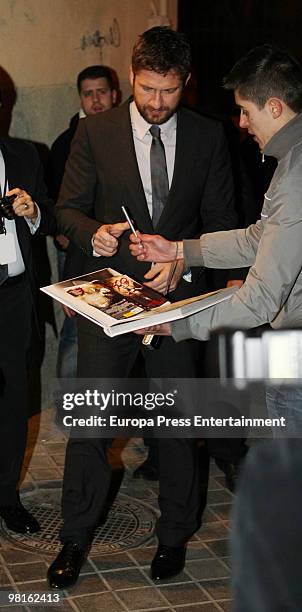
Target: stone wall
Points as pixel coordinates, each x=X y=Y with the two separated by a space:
x=43 y=46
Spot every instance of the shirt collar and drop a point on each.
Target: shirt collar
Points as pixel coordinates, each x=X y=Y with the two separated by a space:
x=82 y=114
x=142 y=127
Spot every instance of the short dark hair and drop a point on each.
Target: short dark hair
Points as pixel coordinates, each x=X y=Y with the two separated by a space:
x=161 y=49
x=267 y=71
x=95 y=72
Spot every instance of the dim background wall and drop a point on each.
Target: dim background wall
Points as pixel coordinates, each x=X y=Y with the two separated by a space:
x=45 y=43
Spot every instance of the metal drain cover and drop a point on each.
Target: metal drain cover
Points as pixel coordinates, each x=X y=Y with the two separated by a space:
x=130 y=524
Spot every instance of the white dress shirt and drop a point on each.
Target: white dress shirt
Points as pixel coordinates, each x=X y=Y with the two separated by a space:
x=142 y=143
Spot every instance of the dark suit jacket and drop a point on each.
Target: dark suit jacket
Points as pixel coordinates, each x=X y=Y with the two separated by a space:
x=24 y=169
x=74 y=262
x=58 y=155
x=102 y=174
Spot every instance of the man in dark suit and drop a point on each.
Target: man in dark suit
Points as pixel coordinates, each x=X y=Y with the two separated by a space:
x=97 y=94
x=21 y=173
x=110 y=165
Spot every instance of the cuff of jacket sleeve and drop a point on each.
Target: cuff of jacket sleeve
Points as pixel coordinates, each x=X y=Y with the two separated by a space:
x=34 y=225
x=94 y=253
x=181 y=330
x=192 y=253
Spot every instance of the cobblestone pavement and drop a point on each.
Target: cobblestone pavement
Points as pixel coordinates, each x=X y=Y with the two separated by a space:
x=116 y=575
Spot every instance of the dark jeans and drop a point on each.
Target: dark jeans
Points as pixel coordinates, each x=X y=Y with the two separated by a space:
x=266 y=538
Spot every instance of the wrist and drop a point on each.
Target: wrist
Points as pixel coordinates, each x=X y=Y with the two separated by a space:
x=95 y=252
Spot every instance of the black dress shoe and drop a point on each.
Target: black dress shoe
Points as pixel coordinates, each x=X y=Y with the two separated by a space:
x=231 y=473
x=18 y=519
x=168 y=562
x=231 y=476
x=65 y=569
x=146 y=470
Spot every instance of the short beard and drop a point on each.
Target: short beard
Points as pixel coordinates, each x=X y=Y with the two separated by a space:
x=166 y=117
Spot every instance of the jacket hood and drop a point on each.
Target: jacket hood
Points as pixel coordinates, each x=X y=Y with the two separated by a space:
x=287 y=137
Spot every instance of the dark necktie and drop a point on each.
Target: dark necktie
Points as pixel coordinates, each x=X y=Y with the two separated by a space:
x=159 y=175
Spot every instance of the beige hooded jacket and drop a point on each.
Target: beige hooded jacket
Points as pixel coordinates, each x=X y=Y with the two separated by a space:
x=272 y=292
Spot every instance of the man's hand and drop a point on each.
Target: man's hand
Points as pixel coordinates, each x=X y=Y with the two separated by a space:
x=150 y=247
x=23 y=205
x=164 y=329
x=68 y=311
x=235 y=283
x=159 y=277
x=105 y=239
x=63 y=241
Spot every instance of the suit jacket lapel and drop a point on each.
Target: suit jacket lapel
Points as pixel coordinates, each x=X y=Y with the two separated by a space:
x=134 y=192
x=135 y=198
x=12 y=164
x=180 y=156
x=182 y=168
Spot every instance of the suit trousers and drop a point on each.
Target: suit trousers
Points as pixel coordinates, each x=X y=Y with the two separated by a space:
x=182 y=493
x=15 y=326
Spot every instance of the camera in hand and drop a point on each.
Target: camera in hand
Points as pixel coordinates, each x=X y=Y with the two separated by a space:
x=6 y=207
